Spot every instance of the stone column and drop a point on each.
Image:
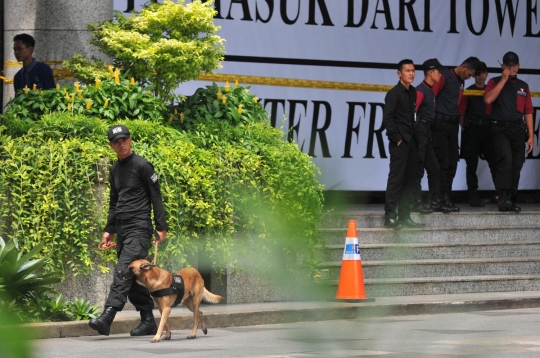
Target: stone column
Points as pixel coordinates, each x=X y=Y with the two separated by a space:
x=58 y=26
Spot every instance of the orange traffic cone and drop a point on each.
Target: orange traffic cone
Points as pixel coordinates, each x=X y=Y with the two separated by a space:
x=351 y=278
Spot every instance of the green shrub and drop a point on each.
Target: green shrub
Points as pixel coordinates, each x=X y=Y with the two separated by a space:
x=165 y=44
x=115 y=96
x=244 y=182
x=213 y=103
x=85 y=70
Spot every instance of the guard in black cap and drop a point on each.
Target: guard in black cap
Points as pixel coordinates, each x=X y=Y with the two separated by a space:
x=476 y=139
x=425 y=112
x=510 y=100
x=134 y=192
x=117 y=132
x=510 y=58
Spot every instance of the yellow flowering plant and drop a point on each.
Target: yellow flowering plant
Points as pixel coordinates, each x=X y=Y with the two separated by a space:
x=215 y=103
x=110 y=97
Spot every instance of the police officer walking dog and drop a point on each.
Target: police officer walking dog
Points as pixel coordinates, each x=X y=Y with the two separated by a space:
x=510 y=100
x=134 y=192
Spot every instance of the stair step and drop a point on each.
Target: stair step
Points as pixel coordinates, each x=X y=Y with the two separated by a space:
x=386 y=287
x=441 y=267
x=435 y=235
x=418 y=251
x=491 y=218
x=473 y=251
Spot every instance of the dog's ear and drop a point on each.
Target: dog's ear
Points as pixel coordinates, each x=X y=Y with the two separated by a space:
x=147 y=266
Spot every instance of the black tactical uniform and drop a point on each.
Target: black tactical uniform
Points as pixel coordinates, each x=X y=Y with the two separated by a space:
x=448 y=92
x=134 y=192
x=476 y=140
x=398 y=119
x=509 y=133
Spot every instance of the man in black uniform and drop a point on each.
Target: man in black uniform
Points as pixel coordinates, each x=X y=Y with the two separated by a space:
x=448 y=92
x=510 y=100
x=425 y=112
x=134 y=192
x=398 y=119
x=476 y=137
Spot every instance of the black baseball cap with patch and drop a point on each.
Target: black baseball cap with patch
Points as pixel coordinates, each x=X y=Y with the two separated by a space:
x=432 y=64
x=118 y=131
x=510 y=58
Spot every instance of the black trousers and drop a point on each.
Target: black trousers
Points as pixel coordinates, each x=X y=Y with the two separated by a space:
x=476 y=140
x=403 y=164
x=426 y=160
x=445 y=144
x=509 y=141
x=134 y=239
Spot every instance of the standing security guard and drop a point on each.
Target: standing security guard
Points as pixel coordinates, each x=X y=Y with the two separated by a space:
x=476 y=137
x=448 y=92
x=398 y=118
x=425 y=112
x=510 y=100
x=134 y=192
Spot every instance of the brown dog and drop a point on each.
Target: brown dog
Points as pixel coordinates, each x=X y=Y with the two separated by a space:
x=154 y=278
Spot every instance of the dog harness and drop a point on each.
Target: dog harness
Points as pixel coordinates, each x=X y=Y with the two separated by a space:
x=177 y=289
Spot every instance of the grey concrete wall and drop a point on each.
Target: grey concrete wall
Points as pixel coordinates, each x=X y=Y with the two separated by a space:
x=58 y=26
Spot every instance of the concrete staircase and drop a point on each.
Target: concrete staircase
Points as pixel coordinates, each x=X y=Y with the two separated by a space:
x=466 y=252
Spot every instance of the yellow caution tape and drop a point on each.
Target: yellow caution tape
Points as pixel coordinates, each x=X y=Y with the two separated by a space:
x=12 y=64
x=63 y=74
x=291 y=82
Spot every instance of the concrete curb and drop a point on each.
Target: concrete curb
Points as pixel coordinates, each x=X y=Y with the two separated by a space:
x=288 y=312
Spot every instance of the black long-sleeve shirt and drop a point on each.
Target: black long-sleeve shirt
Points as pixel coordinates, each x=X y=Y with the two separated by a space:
x=474 y=107
x=448 y=92
x=134 y=192
x=398 y=114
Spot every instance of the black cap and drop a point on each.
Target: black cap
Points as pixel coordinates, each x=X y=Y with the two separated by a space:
x=432 y=64
x=118 y=131
x=510 y=57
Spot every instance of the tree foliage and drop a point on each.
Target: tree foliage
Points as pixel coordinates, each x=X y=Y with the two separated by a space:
x=165 y=44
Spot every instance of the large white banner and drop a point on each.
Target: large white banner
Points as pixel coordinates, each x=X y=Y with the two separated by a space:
x=361 y=41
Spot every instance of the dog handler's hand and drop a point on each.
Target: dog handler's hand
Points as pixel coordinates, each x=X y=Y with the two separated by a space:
x=107 y=241
x=162 y=235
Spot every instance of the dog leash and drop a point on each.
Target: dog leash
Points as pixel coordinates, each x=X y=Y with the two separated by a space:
x=103 y=247
x=155 y=253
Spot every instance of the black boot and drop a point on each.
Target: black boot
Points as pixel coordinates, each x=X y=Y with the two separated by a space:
x=438 y=206
x=390 y=221
x=418 y=206
x=447 y=202
x=147 y=326
x=511 y=203
x=103 y=323
x=503 y=204
x=474 y=199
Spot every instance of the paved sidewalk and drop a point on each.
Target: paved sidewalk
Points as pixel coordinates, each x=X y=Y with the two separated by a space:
x=230 y=315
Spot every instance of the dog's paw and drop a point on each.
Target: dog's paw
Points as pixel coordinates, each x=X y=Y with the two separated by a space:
x=155 y=339
x=167 y=337
x=191 y=336
x=205 y=331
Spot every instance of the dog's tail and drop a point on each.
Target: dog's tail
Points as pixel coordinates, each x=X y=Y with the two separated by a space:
x=210 y=297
